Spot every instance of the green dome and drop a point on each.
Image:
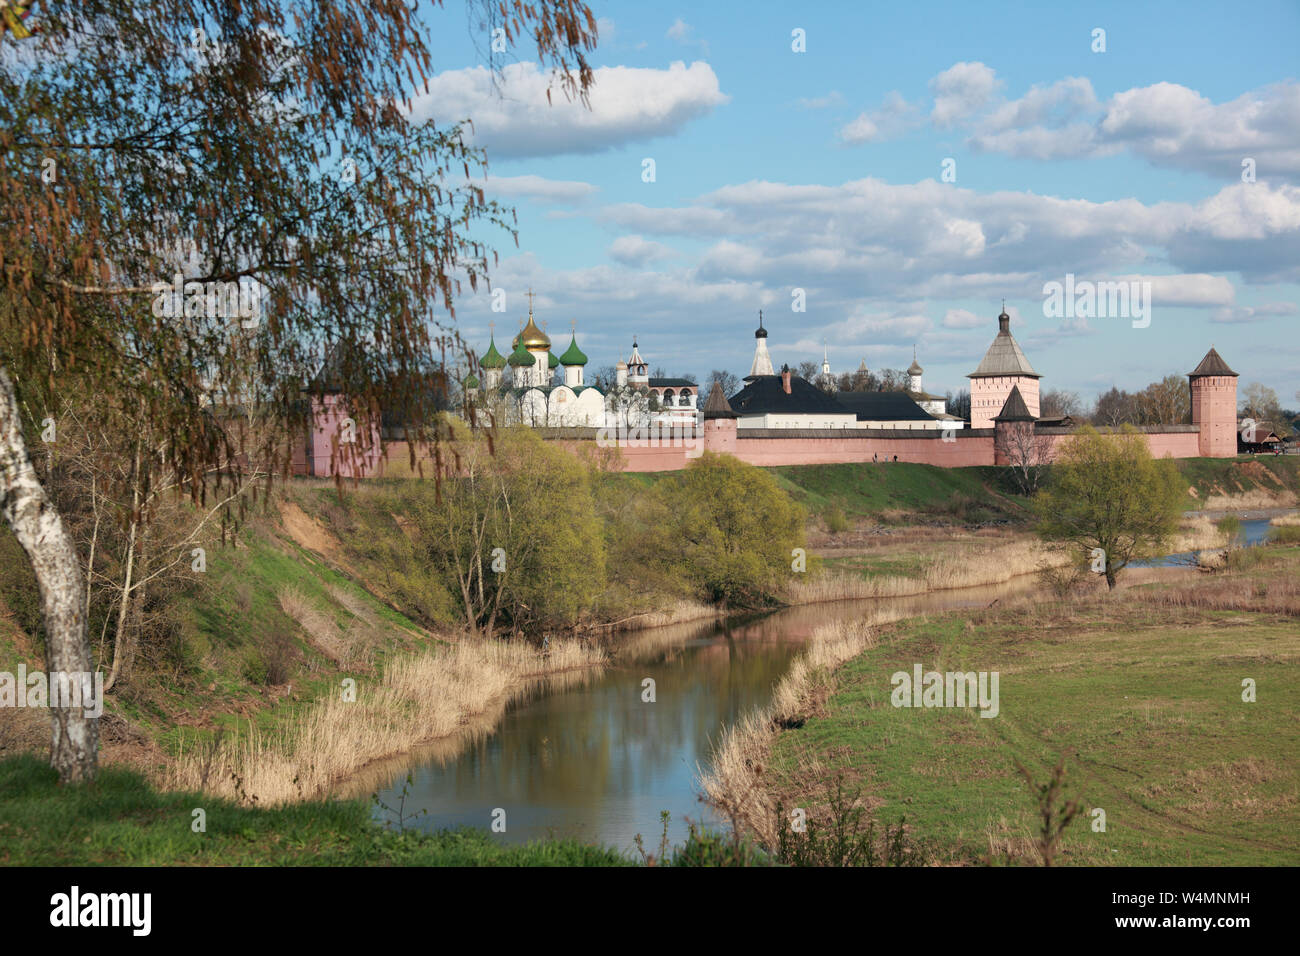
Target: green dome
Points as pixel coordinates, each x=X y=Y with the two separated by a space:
x=521 y=357
x=551 y=360
x=471 y=382
x=573 y=355
x=493 y=359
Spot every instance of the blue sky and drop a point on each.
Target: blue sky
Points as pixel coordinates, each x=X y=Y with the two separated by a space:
x=821 y=171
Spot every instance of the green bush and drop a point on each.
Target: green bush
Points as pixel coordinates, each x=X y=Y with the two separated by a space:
x=731 y=528
x=835 y=520
x=1284 y=534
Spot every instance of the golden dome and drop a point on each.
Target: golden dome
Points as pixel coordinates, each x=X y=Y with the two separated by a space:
x=532 y=337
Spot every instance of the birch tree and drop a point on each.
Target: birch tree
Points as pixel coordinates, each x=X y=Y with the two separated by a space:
x=269 y=146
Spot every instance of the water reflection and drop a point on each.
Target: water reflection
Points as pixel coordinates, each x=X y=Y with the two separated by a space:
x=1252 y=532
x=589 y=758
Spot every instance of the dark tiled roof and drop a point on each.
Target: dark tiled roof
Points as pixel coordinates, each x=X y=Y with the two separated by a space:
x=1004 y=357
x=882 y=407
x=716 y=406
x=1212 y=364
x=672 y=383
x=765 y=396
x=1015 y=409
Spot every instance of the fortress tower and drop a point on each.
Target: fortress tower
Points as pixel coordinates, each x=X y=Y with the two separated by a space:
x=1214 y=406
x=719 y=423
x=1004 y=367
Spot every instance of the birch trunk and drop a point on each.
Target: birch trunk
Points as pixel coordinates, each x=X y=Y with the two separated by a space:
x=39 y=529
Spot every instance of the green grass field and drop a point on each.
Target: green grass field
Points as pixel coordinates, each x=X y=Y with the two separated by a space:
x=974 y=494
x=119 y=820
x=1145 y=699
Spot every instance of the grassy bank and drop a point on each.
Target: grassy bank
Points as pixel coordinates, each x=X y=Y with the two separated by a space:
x=242 y=697
x=1140 y=692
x=121 y=820
x=1261 y=481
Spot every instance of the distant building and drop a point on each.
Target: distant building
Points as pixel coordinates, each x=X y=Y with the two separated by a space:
x=676 y=397
x=1003 y=368
x=1214 y=405
x=935 y=405
x=787 y=401
x=790 y=401
x=529 y=395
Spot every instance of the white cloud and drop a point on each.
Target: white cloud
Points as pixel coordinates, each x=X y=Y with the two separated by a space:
x=960 y=91
x=962 y=319
x=636 y=251
x=894 y=116
x=537 y=187
x=679 y=31
x=1166 y=123
x=1254 y=313
x=1186 y=290
x=832 y=98
x=1054 y=104
x=628 y=104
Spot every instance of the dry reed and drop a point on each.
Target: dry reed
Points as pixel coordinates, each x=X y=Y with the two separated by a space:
x=418 y=698
x=734 y=785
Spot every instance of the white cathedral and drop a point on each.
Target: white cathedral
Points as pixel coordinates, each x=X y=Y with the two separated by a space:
x=522 y=387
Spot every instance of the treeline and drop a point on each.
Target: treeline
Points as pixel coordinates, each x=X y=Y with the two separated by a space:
x=526 y=537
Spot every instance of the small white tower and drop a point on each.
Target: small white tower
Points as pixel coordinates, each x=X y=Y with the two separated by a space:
x=637 y=370
x=762 y=361
x=914 y=373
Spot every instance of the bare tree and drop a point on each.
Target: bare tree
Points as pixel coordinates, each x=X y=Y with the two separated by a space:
x=1057 y=403
x=1114 y=408
x=1027 y=453
x=1166 y=402
x=958 y=403
x=728 y=382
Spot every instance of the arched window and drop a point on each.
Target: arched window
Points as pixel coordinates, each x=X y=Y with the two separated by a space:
x=667 y=396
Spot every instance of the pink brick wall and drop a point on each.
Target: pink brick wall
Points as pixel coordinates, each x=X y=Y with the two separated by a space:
x=964 y=451
x=988 y=395
x=969 y=448
x=1183 y=444
x=326 y=455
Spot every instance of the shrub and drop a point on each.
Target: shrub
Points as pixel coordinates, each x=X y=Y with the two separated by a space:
x=732 y=527
x=1284 y=534
x=835 y=519
x=846 y=837
x=1061 y=580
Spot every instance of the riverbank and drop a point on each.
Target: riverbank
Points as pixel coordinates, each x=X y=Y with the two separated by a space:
x=322 y=591
x=122 y=820
x=1146 y=708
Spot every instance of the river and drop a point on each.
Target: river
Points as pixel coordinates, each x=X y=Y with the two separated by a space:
x=593 y=759
x=589 y=757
